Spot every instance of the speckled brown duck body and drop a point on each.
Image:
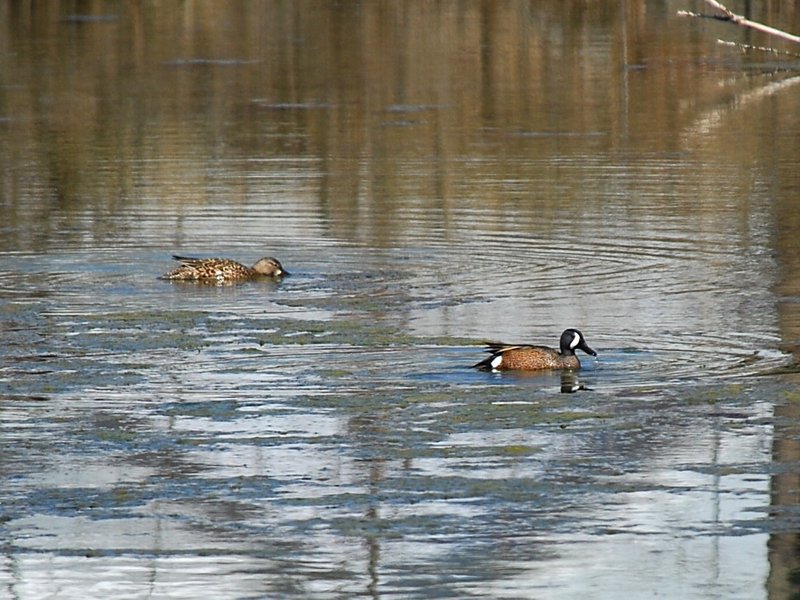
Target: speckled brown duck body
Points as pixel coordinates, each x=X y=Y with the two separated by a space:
x=536 y=358
x=223 y=270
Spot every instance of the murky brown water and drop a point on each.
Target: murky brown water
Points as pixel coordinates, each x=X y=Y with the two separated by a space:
x=433 y=175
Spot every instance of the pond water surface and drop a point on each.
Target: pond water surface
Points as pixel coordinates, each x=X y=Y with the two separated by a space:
x=433 y=176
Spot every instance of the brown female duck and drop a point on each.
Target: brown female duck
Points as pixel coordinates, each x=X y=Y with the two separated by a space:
x=223 y=270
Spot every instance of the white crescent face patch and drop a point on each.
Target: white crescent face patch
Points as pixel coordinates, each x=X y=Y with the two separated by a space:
x=576 y=339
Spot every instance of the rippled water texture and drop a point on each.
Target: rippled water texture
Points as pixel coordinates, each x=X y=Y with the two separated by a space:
x=433 y=176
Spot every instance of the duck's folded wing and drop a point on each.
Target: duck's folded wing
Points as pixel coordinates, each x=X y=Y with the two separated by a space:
x=188 y=261
x=498 y=347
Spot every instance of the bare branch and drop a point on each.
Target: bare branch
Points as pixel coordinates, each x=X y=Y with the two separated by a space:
x=720 y=7
x=728 y=15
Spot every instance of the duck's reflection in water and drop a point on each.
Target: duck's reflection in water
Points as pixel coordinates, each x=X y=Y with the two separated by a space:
x=570 y=382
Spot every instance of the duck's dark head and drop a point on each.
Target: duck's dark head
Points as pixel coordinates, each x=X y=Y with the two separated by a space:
x=571 y=340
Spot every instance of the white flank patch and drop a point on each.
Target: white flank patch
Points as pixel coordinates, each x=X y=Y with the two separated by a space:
x=496 y=361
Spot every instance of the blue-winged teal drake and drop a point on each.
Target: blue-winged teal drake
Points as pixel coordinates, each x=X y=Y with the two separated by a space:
x=222 y=270
x=536 y=358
